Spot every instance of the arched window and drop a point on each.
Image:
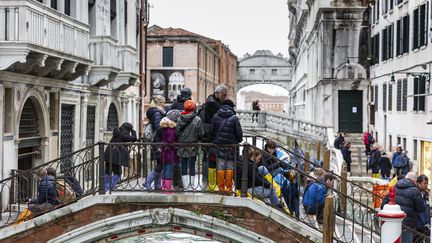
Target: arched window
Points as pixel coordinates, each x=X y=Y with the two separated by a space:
x=112 y=121
x=28 y=126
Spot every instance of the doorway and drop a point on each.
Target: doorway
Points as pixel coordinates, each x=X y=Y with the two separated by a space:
x=350 y=111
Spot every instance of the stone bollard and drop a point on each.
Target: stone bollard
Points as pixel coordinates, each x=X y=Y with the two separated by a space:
x=391 y=220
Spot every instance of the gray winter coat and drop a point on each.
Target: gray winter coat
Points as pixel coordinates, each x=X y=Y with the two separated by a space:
x=189 y=129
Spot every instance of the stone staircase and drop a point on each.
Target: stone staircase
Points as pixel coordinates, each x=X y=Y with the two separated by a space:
x=356 y=146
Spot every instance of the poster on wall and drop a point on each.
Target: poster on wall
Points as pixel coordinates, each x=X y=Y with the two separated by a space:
x=167 y=83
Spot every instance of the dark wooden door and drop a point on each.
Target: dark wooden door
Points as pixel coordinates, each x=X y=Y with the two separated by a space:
x=350 y=111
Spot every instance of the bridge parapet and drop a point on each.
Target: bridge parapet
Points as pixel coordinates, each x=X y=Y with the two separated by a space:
x=215 y=216
x=281 y=123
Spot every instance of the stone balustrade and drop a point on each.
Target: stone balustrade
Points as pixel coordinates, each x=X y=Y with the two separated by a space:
x=281 y=123
x=32 y=22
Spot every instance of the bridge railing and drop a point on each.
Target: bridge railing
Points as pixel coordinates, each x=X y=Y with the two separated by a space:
x=280 y=122
x=240 y=169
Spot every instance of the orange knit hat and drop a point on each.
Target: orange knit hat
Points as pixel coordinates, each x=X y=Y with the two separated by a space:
x=189 y=106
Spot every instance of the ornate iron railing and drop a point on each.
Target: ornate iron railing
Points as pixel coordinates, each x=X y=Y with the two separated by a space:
x=355 y=219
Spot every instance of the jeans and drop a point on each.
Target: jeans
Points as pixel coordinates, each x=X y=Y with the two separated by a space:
x=168 y=171
x=188 y=163
x=262 y=193
x=225 y=164
x=407 y=235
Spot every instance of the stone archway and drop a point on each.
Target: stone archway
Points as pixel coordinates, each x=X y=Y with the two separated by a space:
x=271 y=97
x=112 y=118
x=32 y=130
x=159 y=220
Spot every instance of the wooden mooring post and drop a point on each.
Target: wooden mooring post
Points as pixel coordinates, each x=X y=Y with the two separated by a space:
x=328 y=220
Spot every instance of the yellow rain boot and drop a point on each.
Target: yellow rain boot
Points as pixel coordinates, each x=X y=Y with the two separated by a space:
x=269 y=178
x=212 y=179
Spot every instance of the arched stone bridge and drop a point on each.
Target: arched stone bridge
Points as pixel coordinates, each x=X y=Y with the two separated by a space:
x=222 y=218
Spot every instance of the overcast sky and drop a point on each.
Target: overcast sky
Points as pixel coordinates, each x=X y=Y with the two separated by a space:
x=243 y=25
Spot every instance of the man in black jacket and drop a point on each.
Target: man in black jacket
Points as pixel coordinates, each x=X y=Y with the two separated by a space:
x=226 y=131
x=409 y=198
x=209 y=109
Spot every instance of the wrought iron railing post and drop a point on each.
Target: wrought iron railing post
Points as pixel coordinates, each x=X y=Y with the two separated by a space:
x=244 y=178
x=139 y=159
x=101 y=169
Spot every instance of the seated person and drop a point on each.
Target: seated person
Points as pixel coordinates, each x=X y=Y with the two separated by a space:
x=258 y=186
x=47 y=193
x=315 y=193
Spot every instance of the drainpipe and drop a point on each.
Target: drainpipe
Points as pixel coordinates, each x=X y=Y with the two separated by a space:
x=144 y=20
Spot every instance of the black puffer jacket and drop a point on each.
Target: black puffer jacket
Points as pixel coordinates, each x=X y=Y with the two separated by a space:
x=119 y=154
x=410 y=199
x=230 y=133
x=155 y=116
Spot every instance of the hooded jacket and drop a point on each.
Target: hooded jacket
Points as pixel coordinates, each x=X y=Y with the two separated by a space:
x=397 y=160
x=155 y=116
x=168 y=152
x=410 y=199
x=315 y=194
x=47 y=191
x=189 y=130
x=118 y=154
x=230 y=133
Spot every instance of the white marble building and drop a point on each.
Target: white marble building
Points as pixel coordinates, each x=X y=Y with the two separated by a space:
x=328 y=48
x=69 y=73
x=400 y=76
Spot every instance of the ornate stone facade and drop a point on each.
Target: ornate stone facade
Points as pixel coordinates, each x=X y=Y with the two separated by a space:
x=63 y=69
x=328 y=47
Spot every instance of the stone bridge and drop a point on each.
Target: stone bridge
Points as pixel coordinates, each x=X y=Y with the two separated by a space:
x=117 y=215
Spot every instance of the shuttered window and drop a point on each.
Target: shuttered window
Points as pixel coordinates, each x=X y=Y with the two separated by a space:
x=376 y=98
x=404 y=94
x=419 y=89
x=387 y=42
x=67 y=7
x=384 y=98
x=405 y=34
x=415 y=149
x=390 y=97
x=54 y=4
x=420 y=25
x=375 y=48
x=168 y=59
x=399 y=95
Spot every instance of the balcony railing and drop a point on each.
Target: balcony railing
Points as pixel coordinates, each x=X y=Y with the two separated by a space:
x=24 y=21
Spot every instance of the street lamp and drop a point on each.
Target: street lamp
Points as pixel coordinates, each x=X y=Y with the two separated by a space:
x=419 y=75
